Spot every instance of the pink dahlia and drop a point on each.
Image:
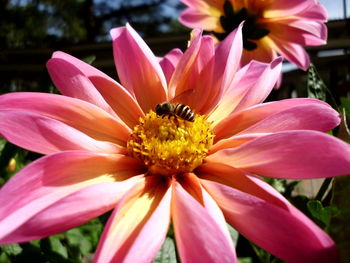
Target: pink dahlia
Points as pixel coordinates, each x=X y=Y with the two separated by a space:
x=271 y=26
x=107 y=149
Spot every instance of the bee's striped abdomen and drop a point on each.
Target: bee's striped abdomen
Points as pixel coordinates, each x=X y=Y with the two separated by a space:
x=184 y=112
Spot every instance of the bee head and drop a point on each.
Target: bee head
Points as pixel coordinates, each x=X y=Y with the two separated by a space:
x=163 y=108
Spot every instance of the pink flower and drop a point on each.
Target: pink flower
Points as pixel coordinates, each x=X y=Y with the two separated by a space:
x=271 y=26
x=107 y=149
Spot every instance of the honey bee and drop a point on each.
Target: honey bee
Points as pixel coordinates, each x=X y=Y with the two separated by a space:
x=175 y=109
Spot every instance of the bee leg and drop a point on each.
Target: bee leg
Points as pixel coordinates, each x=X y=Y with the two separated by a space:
x=176 y=121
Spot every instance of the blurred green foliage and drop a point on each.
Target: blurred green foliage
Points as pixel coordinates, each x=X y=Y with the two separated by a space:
x=75 y=245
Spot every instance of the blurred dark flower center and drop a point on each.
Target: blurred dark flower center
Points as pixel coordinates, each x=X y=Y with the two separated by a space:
x=251 y=30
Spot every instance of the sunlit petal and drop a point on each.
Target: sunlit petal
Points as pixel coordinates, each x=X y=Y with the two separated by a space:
x=45 y=135
x=169 y=62
x=138 y=68
x=76 y=113
x=49 y=179
x=286 y=233
x=290 y=154
x=255 y=114
x=72 y=210
x=137 y=228
x=198 y=235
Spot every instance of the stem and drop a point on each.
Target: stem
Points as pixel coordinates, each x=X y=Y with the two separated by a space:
x=323 y=189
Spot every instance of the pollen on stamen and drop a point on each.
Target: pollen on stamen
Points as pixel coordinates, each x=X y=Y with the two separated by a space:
x=170 y=145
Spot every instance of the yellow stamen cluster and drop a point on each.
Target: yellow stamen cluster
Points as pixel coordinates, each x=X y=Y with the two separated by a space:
x=170 y=145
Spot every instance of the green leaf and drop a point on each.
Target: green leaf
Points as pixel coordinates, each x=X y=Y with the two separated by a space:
x=345 y=103
x=2 y=144
x=92 y=231
x=53 y=250
x=4 y=258
x=278 y=184
x=76 y=238
x=319 y=212
x=167 y=252
x=245 y=260
x=316 y=88
x=57 y=246
x=90 y=59
x=11 y=250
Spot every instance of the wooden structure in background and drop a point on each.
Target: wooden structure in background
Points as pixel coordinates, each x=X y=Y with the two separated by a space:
x=29 y=64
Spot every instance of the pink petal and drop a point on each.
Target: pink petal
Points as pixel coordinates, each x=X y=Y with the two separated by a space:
x=264 y=53
x=315 y=12
x=72 y=82
x=290 y=154
x=170 y=61
x=302 y=32
x=257 y=93
x=195 y=18
x=200 y=72
x=227 y=61
x=113 y=93
x=51 y=178
x=215 y=212
x=71 y=211
x=286 y=233
x=138 y=68
x=240 y=180
x=178 y=82
x=286 y=8
x=227 y=57
x=290 y=51
x=246 y=77
x=239 y=121
x=235 y=141
x=304 y=117
x=199 y=237
x=200 y=100
x=138 y=226
x=313 y=116
x=192 y=185
x=206 y=6
x=76 y=113
x=44 y=135
x=250 y=86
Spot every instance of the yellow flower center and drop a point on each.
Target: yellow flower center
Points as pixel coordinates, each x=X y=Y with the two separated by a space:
x=170 y=145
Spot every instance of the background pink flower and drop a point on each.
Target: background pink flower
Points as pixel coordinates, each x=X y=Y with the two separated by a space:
x=271 y=27
x=97 y=138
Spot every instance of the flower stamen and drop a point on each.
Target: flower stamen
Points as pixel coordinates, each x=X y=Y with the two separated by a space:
x=170 y=145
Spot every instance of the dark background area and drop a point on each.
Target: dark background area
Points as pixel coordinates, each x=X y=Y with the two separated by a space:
x=31 y=30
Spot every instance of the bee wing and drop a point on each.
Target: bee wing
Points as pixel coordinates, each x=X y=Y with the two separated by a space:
x=182 y=97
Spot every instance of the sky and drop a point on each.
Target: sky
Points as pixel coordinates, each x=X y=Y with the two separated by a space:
x=335 y=8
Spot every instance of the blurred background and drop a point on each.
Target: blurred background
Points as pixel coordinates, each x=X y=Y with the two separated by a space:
x=31 y=30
